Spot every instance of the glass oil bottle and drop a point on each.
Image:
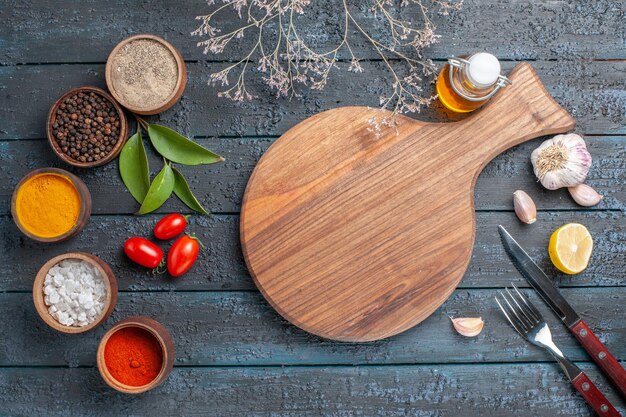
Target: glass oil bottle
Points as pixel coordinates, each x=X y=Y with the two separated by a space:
x=465 y=84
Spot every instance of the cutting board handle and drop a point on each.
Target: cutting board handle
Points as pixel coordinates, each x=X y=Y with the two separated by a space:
x=524 y=110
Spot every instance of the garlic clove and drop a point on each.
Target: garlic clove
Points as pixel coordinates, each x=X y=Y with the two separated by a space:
x=468 y=326
x=524 y=207
x=562 y=161
x=552 y=180
x=575 y=170
x=570 y=140
x=584 y=195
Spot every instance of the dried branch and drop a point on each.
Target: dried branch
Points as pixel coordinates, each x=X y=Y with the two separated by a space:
x=286 y=60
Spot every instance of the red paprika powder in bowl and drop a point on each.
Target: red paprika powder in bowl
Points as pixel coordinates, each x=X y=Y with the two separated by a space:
x=136 y=355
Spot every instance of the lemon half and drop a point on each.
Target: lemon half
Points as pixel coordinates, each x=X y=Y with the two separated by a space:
x=570 y=248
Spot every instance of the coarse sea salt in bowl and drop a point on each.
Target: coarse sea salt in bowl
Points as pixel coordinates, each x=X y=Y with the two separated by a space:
x=75 y=292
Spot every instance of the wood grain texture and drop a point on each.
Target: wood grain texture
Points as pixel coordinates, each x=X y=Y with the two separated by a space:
x=524 y=30
x=593 y=92
x=594 y=397
x=601 y=355
x=356 y=238
x=237 y=328
x=221 y=265
x=220 y=187
x=528 y=389
x=238 y=331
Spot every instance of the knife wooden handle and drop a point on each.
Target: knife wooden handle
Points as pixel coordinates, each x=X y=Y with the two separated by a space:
x=601 y=355
x=594 y=397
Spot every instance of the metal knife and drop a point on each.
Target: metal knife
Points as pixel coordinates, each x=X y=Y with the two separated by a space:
x=550 y=294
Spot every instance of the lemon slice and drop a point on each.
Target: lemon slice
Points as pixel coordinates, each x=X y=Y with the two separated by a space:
x=570 y=248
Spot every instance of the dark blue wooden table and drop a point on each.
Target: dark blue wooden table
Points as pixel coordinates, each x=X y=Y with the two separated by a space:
x=234 y=355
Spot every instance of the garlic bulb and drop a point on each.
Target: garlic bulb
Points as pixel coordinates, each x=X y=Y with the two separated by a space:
x=585 y=195
x=468 y=326
x=524 y=207
x=562 y=161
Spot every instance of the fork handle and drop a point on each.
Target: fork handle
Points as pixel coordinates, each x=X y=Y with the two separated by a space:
x=593 y=396
x=601 y=355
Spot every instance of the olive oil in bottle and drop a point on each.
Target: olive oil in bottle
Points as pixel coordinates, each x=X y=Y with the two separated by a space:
x=464 y=85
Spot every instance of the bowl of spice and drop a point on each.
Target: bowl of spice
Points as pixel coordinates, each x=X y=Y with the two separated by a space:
x=146 y=74
x=86 y=127
x=50 y=205
x=136 y=355
x=75 y=292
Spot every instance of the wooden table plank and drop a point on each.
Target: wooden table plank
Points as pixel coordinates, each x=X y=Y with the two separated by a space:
x=524 y=30
x=539 y=390
x=592 y=91
x=230 y=344
x=221 y=265
x=230 y=328
x=220 y=187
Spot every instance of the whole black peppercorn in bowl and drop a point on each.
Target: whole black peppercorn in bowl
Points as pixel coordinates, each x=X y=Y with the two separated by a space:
x=86 y=127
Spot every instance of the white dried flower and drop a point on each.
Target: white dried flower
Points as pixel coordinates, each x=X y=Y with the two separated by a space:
x=287 y=60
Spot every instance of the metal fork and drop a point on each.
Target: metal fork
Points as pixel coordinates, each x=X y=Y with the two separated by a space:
x=529 y=323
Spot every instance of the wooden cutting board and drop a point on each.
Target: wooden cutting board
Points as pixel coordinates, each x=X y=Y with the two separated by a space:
x=357 y=238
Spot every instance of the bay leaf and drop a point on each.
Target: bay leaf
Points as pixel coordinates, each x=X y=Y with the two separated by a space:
x=134 y=168
x=160 y=190
x=182 y=191
x=177 y=148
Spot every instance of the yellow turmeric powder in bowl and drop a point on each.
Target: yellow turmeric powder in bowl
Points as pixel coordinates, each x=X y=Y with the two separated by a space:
x=48 y=205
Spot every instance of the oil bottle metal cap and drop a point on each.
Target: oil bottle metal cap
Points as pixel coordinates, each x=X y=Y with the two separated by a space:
x=483 y=69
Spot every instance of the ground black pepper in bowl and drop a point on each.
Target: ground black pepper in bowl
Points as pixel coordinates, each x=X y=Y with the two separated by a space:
x=86 y=127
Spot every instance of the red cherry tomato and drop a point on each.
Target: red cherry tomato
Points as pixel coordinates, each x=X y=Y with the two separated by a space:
x=170 y=226
x=182 y=255
x=143 y=252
